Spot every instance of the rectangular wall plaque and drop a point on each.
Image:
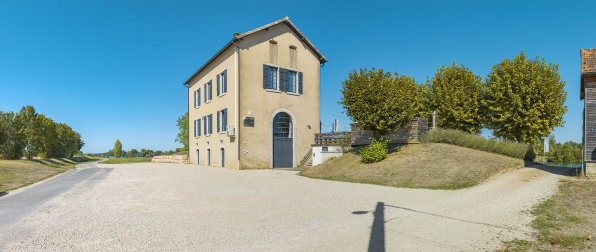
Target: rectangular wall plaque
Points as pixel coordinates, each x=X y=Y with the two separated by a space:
x=249 y=121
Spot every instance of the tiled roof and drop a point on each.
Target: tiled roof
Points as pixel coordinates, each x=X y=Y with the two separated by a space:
x=238 y=36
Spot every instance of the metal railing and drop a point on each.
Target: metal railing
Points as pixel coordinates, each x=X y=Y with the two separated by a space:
x=306 y=157
x=333 y=138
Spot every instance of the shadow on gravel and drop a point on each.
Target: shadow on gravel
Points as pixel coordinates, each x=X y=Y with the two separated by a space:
x=3 y=193
x=558 y=170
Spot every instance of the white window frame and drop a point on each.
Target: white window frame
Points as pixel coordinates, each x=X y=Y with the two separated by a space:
x=209 y=120
x=197 y=122
x=221 y=110
x=221 y=84
x=277 y=67
x=198 y=95
x=209 y=87
x=296 y=71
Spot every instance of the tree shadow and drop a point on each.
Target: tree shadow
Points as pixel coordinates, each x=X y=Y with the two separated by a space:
x=44 y=161
x=558 y=170
x=3 y=193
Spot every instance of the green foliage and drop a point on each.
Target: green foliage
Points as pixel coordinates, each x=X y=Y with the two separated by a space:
x=569 y=152
x=500 y=146
x=375 y=151
x=182 y=124
x=456 y=94
x=117 y=150
x=380 y=102
x=13 y=143
x=525 y=99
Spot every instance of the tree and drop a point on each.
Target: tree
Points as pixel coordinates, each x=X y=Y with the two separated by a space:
x=117 y=150
x=182 y=124
x=133 y=153
x=525 y=99
x=456 y=94
x=13 y=143
x=31 y=130
x=379 y=101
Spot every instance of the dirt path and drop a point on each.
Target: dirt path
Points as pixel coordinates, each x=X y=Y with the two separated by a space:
x=188 y=208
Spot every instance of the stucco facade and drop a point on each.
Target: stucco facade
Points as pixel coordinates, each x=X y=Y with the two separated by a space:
x=244 y=61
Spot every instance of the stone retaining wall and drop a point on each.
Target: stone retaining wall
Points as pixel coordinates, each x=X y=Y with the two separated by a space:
x=175 y=159
x=409 y=134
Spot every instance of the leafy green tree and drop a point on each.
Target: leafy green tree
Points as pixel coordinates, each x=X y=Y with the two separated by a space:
x=456 y=94
x=182 y=124
x=117 y=150
x=48 y=139
x=525 y=99
x=134 y=153
x=14 y=141
x=31 y=130
x=379 y=101
x=110 y=153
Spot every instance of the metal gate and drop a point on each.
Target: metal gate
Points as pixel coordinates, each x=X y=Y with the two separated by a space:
x=283 y=150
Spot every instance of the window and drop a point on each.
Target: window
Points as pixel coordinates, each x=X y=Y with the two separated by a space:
x=197 y=98
x=222 y=83
x=325 y=149
x=292 y=81
x=197 y=128
x=207 y=121
x=282 y=125
x=272 y=78
x=222 y=120
x=208 y=91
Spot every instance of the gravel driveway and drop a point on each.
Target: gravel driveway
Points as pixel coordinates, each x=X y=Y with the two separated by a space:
x=149 y=207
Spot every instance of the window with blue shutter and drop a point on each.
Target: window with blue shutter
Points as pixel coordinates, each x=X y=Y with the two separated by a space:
x=225 y=119
x=205 y=125
x=292 y=81
x=199 y=127
x=218 y=129
x=199 y=97
x=218 y=94
x=195 y=128
x=210 y=90
x=300 y=82
x=265 y=76
x=210 y=124
x=205 y=88
x=195 y=93
x=225 y=81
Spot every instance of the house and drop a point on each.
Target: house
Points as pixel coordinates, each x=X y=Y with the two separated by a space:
x=256 y=103
x=588 y=94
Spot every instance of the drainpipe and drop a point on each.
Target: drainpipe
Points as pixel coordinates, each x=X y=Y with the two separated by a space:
x=236 y=98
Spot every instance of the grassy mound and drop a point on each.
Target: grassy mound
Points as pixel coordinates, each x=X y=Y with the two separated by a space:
x=18 y=173
x=432 y=166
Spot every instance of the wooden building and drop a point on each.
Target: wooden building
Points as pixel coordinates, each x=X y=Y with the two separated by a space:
x=588 y=95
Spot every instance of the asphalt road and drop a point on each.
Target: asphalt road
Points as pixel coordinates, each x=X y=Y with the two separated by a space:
x=172 y=207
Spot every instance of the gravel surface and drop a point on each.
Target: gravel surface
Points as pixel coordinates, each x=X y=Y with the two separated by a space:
x=156 y=207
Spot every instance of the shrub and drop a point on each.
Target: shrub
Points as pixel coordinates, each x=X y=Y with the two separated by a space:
x=500 y=146
x=374 y=152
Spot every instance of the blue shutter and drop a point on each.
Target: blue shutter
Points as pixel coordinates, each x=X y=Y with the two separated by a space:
x=195 y=128
x=218 y=129
x=210 y=123
x=195 y=93
x=300 y=82
x=225 y=119
x=199 y=127
x=205 y=92
x=205 y=125
x=210 y=90
x=265 y=76
x=218 y=85
x=199 y=97
x=225 y=81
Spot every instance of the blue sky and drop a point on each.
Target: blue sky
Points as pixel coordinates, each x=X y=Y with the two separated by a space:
x=114 y=69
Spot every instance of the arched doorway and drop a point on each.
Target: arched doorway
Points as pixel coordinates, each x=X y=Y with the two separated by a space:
x=198 y=157
x=283 y=144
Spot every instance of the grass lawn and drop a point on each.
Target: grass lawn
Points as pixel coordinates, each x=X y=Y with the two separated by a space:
x=18 y=173
x=432 y=166
x=565 y=221
x=125 y=160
